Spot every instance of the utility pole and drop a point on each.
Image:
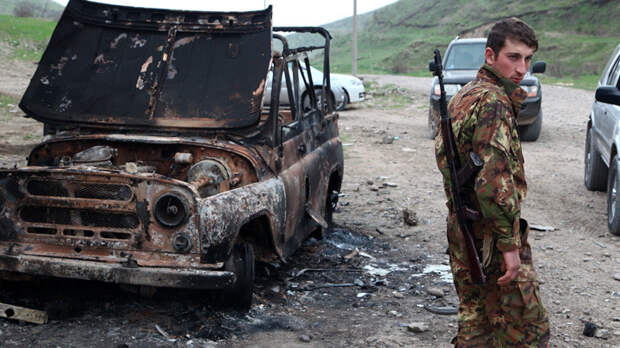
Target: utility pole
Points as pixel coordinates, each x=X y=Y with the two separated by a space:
x=354 y=65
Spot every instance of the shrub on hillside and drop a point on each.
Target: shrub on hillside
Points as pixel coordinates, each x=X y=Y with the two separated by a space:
x=24 y=9
x=399 y=66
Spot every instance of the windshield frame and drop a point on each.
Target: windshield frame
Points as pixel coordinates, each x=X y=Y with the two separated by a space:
x=458 y=45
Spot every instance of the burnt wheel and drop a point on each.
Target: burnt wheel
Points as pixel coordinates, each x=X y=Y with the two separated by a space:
x=241 y=262
x=320 y=100
x=331 y=201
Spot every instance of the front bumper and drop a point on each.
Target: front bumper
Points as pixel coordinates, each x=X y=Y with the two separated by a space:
x=356 y=93
x=117 y=273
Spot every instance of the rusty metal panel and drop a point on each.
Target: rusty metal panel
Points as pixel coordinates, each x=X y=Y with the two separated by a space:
x=121 y=66
x=223 y=215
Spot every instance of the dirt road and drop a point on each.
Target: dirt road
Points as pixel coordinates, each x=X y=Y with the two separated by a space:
x=372 y=281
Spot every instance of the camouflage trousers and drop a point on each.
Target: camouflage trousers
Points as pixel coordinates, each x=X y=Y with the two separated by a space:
x=493 y=315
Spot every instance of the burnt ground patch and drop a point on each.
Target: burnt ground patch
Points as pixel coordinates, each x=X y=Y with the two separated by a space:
x=345 y=270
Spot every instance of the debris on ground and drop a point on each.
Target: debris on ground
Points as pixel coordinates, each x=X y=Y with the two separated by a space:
x=599 y=244
x=589 y=329
x=23 y=314
x=376 y=271
x=437 y=292
x=410 y=217
x=443 y=310
x=164 y=333
x=602 y=334
x=542 y=228
x=417 y=327
x=388 y=139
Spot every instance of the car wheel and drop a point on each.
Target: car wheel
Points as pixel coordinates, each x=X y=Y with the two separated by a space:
x=531 y=132
x=433 y=124
x=613 y=206
x=342 y=103
x=241 y=262
x=595 y=173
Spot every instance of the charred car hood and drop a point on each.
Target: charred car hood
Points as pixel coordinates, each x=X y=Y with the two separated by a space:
x=122 y=67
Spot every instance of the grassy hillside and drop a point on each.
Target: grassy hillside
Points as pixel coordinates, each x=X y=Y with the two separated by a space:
x=576 y=37
x=24 y=38
x=40 y=8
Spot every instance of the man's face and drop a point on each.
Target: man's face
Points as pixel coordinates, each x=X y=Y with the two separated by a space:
x=512 y=61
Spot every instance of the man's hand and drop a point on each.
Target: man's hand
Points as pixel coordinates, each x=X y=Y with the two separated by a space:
x=511 y=264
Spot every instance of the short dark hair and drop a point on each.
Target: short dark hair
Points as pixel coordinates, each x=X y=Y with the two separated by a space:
x=513 y=29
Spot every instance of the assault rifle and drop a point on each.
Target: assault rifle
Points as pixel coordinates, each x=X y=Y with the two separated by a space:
x=460 y=176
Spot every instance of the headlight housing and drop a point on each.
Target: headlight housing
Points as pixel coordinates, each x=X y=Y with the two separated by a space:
x=532 y=90
x=451 y=89
x=208 y=176
x=171 y=210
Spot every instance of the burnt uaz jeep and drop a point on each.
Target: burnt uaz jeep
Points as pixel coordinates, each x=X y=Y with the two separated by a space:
x=160 y=166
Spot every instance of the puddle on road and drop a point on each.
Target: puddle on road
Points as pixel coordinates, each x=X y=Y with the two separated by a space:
x=444 y=272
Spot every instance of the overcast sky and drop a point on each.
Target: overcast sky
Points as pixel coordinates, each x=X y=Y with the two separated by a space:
x=285 y=12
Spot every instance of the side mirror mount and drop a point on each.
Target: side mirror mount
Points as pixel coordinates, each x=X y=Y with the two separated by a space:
x=608 y=95
x=539 y=67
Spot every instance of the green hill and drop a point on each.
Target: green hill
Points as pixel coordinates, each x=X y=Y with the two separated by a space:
x=24 y=38
x=40 y=8
x=576 y=37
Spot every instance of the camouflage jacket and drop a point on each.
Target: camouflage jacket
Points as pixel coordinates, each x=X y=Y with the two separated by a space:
x=483 y=117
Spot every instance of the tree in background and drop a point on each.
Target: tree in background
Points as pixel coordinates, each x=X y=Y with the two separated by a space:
x=30 y=9
x=25 y=9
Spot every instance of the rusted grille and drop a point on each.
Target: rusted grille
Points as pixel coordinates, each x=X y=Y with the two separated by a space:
x=115 y=235
x=79 y=190
x=46 y=215
x=47 y=188
x=104 y=191
x=41 y=230
x=78 y=233
x=79 y=217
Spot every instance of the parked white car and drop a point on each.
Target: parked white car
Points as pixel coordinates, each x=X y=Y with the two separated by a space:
x=345 y=89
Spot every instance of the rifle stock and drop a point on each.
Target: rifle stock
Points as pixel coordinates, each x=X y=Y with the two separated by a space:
x=459 y=177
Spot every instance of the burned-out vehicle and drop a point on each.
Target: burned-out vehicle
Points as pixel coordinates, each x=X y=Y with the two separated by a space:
x=161 y=166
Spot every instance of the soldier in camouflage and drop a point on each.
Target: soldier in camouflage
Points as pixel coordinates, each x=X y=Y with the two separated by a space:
x=507 y=311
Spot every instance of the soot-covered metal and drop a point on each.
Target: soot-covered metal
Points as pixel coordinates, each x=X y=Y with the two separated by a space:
x=133 y=66
x=161 y=166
